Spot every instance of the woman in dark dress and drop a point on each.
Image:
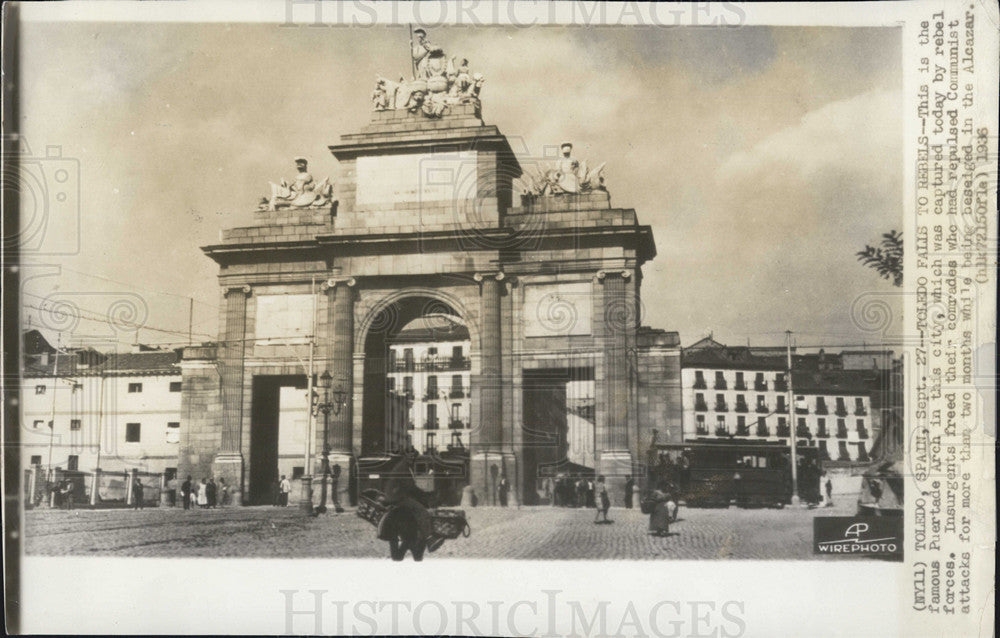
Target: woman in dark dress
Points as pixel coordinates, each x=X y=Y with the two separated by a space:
x=659 y=518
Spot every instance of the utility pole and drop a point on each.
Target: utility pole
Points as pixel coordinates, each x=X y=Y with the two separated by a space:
x=791 y=421
x=307 y=494
x=52 y=417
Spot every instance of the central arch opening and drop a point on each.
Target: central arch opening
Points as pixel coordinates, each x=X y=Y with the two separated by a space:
x=417 y=395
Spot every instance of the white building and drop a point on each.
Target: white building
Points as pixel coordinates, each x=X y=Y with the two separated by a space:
x=742 y=393
x=429 y=369
x=82 y=409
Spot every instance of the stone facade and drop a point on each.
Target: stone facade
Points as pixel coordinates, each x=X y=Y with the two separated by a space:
x=425 y=222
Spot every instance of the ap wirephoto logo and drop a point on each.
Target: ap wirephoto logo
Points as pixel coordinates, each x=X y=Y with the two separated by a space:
x=855 y=536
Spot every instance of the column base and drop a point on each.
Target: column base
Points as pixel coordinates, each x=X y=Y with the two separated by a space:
x=229 y=466
x=615 y=466
x=481 y=477
x=320 y=481
x=306 y=496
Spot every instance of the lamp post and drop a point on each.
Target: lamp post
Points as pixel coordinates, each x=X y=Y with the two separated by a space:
x=326 y=406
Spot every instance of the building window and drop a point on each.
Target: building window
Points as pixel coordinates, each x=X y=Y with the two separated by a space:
x=699 y=380
x=432 y=352
x=781 y=404
x=859 y=406
x=841 y=408
x=720 y=380
x=741 y=426
x=391 y=382
x=720 y=403
x=432 y=421
x=175 y=386
x=134 y=387
x=73 y=463
x=408 y=358
x=39 y=389
x=74 y=424
x=821 y=425
x=133 y=432
x=408 y=385
x=36 y=459
x=720 y=426
x=762 y=426
x=456 y=386
x=699 y=402
x=740 y=383
x=456 y=352
x=173 y=432
x=821 y=405
x=779 y=382
x=170 y=473
x=841 y=429
x=432 y=388
x=759 y=384
x=699 y=421
x=298 y=472
x=392 y=359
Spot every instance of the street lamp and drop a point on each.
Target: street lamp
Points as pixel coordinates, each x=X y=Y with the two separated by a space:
x=326 y=406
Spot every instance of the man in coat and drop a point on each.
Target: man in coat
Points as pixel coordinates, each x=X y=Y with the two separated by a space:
x=186 y=492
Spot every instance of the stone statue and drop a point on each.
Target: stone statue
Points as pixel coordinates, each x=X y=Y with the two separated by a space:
x=304 y=192
x=440 y=83
x=566 y=175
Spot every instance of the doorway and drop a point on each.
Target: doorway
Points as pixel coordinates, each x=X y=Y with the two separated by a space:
x=264 y=418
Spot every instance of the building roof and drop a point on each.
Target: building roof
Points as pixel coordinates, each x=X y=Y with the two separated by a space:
x=432 y=329
x=88 y=362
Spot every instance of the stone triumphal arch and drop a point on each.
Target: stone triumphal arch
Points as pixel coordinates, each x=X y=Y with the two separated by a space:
x=432 y=212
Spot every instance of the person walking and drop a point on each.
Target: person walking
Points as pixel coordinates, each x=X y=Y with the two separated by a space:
x=137 y=496
x=286 y=487
x=629 y=490
x=186 y=493
x=276 y=492
x=829 y=493
x=659 y=517
x=603 y=500
x=211 y=489
x=335 y=488
x=503 y=489
x=203 y=494
x=66 y=494
x=223 y=492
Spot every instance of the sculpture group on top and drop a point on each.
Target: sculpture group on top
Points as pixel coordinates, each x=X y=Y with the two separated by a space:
x=439 y=82
x=566 y=175
x=303 y=192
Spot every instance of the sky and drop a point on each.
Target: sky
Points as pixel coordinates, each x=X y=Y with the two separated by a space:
x=763 y=158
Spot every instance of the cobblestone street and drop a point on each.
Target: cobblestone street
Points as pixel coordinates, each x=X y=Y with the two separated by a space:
x=528 y=533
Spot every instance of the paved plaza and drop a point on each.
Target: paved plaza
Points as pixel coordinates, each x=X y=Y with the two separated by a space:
x=527 y=533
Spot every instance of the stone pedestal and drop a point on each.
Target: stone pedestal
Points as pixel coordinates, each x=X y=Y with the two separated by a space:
x=306 y=495
x=482 y=477
x=615 y=466
x=343 y=492
x=229 y=466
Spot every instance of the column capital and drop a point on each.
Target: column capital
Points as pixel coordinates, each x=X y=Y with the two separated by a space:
x=601 y=274
x=495 y=274
x=332 y=282
x=245 y=289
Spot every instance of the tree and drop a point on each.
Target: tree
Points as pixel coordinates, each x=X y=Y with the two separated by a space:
x=886 y=258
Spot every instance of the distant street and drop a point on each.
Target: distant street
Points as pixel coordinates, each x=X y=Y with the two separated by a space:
x=528 y=533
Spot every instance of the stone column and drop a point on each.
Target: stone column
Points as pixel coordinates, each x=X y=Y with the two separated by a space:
x=489 y=457
x=228 y=463
x=615 y=459
x=340 y=362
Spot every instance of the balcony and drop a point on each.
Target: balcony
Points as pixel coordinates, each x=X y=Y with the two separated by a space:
x=860 y=412
x=742 y=430
x=721 y=431
x=720 y=384
x=781 y=409
x=721 y=406
x=701 y=430
x=784 y=430
x=780 y=385
x=700 y=406
x=457 y=424
x=760 y=386
x=842 y=432
x=444 y=365
x=699 y=384
x=863 y=454
x=740 y=385
x=821 y=409
x=762 y=408
x=803 y=432
x=741 y=407
x=431 y=395
x=431 y=424
x=862 y=432
x=841 y=411
x=457 y=393
x=403 y=366
x=762 y=430
x=823 y=433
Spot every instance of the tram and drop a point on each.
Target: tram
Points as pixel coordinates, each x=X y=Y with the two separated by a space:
x=713 y=473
